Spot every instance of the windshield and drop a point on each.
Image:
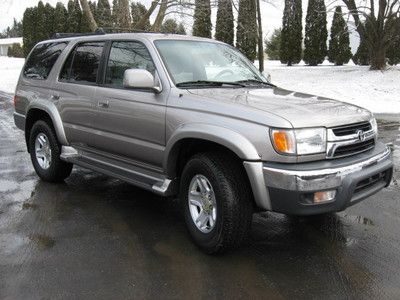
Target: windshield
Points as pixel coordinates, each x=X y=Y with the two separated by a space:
x=202 y=62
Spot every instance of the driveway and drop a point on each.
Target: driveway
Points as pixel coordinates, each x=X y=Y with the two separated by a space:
x=95 y=237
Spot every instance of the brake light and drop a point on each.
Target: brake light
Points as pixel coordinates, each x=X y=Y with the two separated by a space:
x=15 y=100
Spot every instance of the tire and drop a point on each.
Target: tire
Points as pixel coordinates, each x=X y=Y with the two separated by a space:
x=230 y=200
x=43 y=138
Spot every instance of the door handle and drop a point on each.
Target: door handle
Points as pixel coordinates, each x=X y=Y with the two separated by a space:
x=103 y=104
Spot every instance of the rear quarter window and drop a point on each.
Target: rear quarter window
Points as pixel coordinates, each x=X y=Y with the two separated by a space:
x=42 y=59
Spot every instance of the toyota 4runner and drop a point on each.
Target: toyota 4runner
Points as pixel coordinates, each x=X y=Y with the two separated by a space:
x=193 y=117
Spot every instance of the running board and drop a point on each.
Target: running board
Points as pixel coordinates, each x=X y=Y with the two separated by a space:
x=149 y=180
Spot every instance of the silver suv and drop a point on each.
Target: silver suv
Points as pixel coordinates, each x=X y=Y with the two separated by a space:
x=193 y=117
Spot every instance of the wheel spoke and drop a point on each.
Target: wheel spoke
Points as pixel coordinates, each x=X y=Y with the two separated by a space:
x=202 y=219
x=202 y=185
x=39 y=153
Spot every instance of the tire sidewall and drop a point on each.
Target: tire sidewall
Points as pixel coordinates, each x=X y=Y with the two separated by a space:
x=207 y=241
x=43 y=127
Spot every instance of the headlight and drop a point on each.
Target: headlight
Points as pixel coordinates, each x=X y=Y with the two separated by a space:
x=374 y=125
x=299 y=141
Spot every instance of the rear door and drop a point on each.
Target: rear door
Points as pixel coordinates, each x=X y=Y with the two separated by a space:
x=75 y=89
x=130 y=124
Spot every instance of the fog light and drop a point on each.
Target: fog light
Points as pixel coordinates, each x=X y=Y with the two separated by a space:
x=325 y=196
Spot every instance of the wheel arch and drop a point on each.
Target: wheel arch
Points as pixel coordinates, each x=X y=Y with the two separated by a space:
x=206 y=137
x=45 y=110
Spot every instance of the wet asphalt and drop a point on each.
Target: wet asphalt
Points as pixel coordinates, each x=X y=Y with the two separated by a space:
x=95 y=237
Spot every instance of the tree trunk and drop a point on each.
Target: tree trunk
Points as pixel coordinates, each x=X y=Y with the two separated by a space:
x=378 y=58
x=141 y=23
x=160 y=16
x=260 y=38
x=86 y=11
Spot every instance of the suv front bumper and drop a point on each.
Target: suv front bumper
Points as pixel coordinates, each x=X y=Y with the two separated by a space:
x=287 y=188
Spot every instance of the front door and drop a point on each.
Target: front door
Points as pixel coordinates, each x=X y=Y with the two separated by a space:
x=130 y=124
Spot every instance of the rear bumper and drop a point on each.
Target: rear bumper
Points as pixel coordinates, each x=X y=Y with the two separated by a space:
x=287 y=188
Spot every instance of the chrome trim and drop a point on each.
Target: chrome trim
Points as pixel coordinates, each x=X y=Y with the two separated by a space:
x=334 y=141
x=317 y=179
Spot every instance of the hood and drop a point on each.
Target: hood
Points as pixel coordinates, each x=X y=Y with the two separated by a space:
x=301 y=110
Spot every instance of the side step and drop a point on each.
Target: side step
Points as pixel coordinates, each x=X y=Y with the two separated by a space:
x=138 y=176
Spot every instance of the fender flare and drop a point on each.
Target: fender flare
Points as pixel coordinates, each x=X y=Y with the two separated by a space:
x=52 y=111
x=223 y=136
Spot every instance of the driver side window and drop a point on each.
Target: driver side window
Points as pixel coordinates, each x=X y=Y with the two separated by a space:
x=127 y=55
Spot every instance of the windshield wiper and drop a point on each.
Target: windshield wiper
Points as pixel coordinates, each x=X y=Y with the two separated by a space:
x=255 y=81
x=208 y=83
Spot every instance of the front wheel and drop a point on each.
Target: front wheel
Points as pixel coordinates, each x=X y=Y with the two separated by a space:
x=216 y=201
x=45 y=153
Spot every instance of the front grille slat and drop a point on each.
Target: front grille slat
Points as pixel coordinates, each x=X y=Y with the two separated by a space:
x=346 y=139
x=351 y=129
x=354 y=148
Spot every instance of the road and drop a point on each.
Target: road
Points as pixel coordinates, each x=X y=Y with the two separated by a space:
x=95 y=237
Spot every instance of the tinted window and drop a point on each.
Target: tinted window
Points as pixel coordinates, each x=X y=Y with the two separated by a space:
x=127 y=55
x=82 y=64
x=42 y=60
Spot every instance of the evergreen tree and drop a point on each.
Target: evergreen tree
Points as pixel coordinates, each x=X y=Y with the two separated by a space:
x=41 y=24
x=339 y=44
x=116 y=14
x=202 y=19
x=60 y=15
x=273 y=45
x=181 y=29
x=74 y=16
x=316 y=33
x=49 y=19
x=85 y=22
x=292 y=33
x=137 y=11
x=361 y=57
x=15 y=51
x=104 y=14
x=169 y=26
x=124 y=16
x=28 y=30
x=246 y=39
x=224 y=29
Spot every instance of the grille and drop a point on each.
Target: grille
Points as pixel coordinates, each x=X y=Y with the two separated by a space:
x=354 y=148
x=352 y=129
x=370 y=182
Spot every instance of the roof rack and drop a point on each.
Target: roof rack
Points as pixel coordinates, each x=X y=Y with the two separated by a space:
x=124 y=30
x=60 y=35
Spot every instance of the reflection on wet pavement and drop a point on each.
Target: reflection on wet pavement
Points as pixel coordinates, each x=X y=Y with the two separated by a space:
x=97 y=237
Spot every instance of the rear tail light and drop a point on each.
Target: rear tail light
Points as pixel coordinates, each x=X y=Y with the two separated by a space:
x=15 y=100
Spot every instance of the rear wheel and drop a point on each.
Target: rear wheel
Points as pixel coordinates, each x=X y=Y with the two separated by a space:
x=216 y=201
x=45 y=153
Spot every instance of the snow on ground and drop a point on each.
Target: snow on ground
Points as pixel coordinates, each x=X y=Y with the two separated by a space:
x=10 y=69
x=375 y=90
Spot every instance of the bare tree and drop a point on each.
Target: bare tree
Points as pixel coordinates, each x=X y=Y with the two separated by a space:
x=377 y=25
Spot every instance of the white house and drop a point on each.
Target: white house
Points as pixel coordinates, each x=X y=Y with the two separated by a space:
x=5 y=43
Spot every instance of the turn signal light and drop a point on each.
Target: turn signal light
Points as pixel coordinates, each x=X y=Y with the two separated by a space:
x=284 y=141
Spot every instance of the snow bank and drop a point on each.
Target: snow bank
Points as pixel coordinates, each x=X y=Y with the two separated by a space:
x=375 y=90
x=10 y=69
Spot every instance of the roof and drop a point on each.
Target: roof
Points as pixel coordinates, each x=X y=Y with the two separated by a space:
x=10 y=41
x=147 y=35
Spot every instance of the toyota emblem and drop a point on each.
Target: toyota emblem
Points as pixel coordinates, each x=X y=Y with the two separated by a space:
x=361 y=135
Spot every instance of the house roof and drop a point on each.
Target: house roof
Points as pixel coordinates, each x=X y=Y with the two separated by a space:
x=10 y=41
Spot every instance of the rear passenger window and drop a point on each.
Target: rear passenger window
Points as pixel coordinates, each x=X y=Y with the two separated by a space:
x=42 y=60
x=82 y=64
x=127 y=55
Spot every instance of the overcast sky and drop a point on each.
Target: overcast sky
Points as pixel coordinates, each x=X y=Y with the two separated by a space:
x=272 y=14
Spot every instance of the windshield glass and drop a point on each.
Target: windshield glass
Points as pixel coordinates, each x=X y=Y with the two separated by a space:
x=194 y=61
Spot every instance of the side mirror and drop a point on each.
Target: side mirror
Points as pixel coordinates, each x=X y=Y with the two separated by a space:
x=267 y=76
x=140 y=79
